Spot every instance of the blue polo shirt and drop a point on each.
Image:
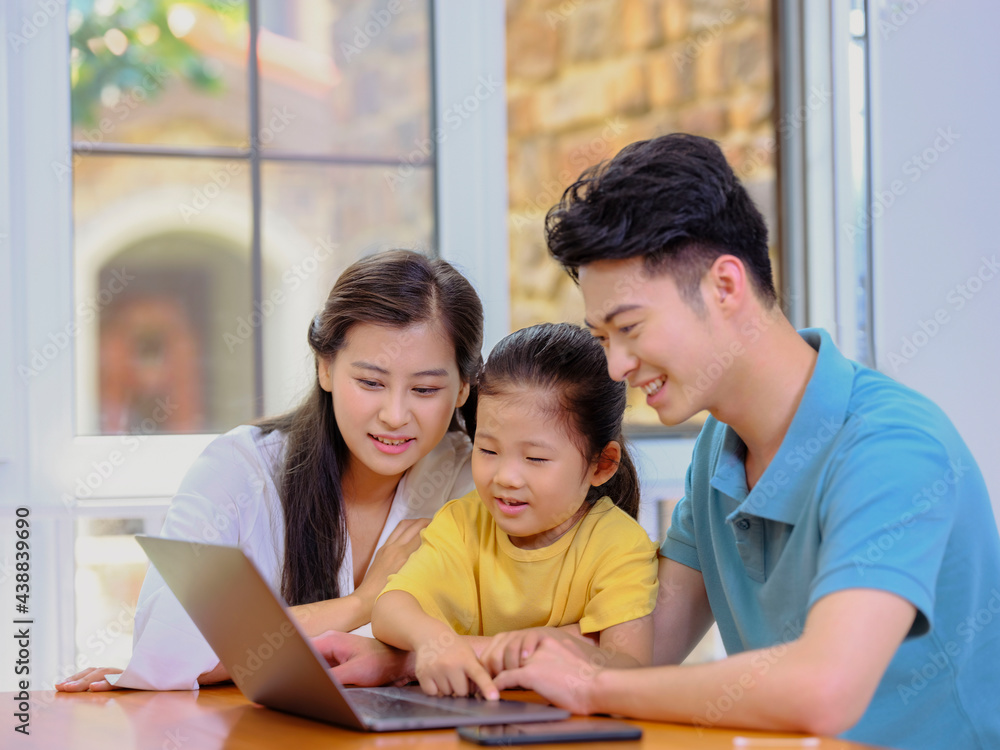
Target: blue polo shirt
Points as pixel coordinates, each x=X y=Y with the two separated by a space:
x=872 y=488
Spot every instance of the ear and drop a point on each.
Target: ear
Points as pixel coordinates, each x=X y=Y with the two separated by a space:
x=728 y=283
x=606 y=465
x=463 y=395
x=323 y=367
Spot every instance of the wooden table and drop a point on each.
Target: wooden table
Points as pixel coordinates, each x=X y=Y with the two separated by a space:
x=220 y=717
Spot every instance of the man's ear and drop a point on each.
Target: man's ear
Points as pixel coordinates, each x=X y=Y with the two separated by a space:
x=728 y=281
x=607 y=464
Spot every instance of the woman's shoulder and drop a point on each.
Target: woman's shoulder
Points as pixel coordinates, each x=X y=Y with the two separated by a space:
x=247 y=443
x=443 y=474
x=453 y=451
x=230 y=491
x=243 y=461
x=250 y=434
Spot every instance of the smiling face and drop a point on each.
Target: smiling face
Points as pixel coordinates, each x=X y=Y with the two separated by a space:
x=652 y=337
x=394 y=393
x=530 y=474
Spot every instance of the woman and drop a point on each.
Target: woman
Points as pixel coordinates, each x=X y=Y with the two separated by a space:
x=320 y=498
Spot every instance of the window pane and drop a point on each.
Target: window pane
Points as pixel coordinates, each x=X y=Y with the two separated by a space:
x=317 y=220
x=859 y=263
x=162 y=276
x=586 y=79
x=349 y=76
x=159 y=72
x=110 y=566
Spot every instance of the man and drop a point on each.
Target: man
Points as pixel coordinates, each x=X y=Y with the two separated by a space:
x=834 y=524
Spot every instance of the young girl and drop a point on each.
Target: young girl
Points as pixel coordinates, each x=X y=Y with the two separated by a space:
x=547 y=539
x=318 y=497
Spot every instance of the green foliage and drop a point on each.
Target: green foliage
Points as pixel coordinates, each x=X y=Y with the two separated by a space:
x=153 y=58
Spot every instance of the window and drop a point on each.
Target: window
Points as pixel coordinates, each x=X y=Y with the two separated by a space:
x=99 y=261
x=229 y=159
x=587 y=78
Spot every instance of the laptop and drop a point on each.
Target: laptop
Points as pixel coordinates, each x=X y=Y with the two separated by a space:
x=275 y=665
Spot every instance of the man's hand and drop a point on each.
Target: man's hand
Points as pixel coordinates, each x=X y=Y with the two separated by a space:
x=561 y=670
x=357 y=660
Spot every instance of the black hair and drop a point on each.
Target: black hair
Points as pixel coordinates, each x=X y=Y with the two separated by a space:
x=566 y=360
x=672 y=200
x=398 y=288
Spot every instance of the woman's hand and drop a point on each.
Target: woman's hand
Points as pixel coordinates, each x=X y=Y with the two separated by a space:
x=357 y=660
x=451 y=668
x=354 y=610
x=216 y=674
x=388 y=559
x=89 y=679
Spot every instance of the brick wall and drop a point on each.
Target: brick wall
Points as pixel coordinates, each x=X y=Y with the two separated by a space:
x=587 y=77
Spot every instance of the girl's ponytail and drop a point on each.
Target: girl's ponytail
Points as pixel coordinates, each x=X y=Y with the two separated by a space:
x=623 y=487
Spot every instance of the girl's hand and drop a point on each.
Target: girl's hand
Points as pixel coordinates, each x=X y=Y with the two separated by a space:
x=561 y=672
x=511 y=650
x=89 y=679
x=389 y=558
x=452 y=669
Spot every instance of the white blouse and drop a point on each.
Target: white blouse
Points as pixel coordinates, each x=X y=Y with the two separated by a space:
x=229 y=496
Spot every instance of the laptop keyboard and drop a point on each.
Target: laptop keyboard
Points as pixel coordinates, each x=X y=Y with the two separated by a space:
x=399 y=703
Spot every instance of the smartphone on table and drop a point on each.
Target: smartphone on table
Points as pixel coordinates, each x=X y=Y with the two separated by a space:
x=571 y=730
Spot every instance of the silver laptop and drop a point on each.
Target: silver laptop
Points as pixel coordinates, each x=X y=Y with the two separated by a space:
x=274 y=664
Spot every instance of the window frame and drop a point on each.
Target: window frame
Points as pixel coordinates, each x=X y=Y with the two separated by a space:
x=816 y=196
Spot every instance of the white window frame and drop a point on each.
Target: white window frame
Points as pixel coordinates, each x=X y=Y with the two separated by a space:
x=41 y=459
x=821 y=266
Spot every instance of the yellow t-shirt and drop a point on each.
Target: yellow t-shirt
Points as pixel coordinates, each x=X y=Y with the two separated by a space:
x=468 y=573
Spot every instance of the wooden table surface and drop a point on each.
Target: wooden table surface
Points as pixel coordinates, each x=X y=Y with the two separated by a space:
x=220 y=717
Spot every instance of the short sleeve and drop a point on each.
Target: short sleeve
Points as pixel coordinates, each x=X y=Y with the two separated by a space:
x=680 y=544
x=440 y=574
x=886 y=515
x=217 y=496
x=624 y=585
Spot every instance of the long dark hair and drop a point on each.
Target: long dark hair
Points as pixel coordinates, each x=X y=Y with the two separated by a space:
x=398 y=288
x=566 y=360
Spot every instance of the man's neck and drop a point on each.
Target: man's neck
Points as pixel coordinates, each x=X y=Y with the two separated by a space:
x=764 y=393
